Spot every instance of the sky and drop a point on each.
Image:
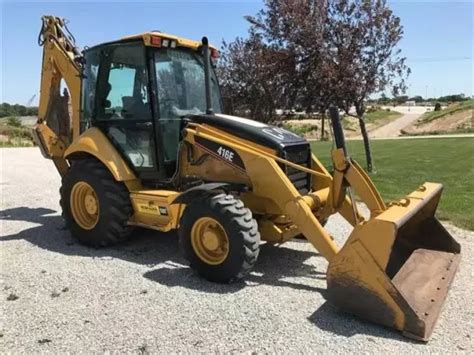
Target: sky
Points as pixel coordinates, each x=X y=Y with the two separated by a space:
x=438 y=36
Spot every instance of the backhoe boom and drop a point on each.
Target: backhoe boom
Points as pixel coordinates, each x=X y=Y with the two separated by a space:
x=61 y=61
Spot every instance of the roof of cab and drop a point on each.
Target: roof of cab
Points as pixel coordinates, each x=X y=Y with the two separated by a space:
x=180 y=41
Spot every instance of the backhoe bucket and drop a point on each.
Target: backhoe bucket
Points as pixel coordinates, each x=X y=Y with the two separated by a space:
x=396 y=269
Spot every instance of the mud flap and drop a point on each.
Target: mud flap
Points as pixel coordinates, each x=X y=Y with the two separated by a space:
x=396 y=269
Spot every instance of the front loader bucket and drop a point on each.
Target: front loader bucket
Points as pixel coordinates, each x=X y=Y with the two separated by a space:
x=396 y=269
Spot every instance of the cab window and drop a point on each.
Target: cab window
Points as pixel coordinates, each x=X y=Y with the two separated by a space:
x=122 y=104
x=123 y=88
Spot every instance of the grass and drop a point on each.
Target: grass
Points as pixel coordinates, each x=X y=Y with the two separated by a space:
x=16 y=143
x=300 y=129
x=403 y=165
x=434 y=115
x=374 y=116
x=13 y=134
x=462 y=130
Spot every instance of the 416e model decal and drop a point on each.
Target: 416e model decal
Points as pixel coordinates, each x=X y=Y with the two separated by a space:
x=224 y=153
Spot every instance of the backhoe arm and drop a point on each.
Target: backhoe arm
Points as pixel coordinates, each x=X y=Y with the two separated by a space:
x=61 y=60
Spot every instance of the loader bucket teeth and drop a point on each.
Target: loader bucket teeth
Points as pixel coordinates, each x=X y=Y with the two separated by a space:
x=396 y=269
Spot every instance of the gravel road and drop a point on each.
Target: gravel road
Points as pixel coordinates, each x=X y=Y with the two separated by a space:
x=393 y=128
x=56 y=295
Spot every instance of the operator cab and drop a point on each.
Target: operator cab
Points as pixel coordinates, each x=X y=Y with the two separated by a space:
x=138 y=92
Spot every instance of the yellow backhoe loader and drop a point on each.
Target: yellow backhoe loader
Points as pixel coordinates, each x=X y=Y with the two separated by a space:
x=139 y=139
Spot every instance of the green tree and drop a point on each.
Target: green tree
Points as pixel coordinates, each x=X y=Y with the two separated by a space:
x=13 y=121
x=17 y=110
x=312 y=53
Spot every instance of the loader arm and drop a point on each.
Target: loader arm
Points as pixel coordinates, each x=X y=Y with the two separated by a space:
x=266 y=176
x=61 y=60
x=348 y=173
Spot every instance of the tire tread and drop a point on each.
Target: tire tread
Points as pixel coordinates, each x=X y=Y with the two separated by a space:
x=240 y=220
x=118 y=204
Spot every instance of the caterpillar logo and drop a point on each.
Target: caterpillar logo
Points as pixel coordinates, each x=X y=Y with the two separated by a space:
x=278 y=133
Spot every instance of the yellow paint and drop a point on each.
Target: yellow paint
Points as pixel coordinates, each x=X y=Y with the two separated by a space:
x=180 y=41
x=58 y=64
x=209 y=241
x=317 y=199
x=95 y=143
x=84 y=205
x=51 y=146
x=276 y=233
x=148 y=209
x=146 y=205
x=267 y=178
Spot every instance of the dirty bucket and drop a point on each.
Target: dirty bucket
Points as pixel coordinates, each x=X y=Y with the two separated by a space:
x=396 y=269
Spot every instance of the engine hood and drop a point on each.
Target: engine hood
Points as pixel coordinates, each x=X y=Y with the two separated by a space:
x=269 y=136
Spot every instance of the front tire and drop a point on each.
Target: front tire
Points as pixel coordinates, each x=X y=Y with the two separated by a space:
x=96 y=207
x=219 y=238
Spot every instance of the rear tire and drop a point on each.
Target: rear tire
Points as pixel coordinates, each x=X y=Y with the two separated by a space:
x=108 y=225
x=237 y=230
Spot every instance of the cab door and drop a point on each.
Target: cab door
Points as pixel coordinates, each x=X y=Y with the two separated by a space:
x=122 y=106
x=170 y=97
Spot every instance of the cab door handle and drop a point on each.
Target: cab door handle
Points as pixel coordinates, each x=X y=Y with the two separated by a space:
x=144 y=124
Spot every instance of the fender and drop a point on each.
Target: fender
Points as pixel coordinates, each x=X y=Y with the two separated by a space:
x=200 y=191
x=95 y=143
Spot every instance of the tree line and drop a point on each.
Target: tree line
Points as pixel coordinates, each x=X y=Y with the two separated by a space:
x=7 y=109
x=384 y=100
x=309 y=54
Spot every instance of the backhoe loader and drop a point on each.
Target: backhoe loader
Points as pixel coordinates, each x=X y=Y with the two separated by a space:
x=143 y=142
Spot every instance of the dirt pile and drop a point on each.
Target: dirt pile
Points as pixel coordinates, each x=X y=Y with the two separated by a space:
x=459 y=121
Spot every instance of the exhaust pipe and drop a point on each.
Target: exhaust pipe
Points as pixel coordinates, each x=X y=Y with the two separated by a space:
x=337 y=129
x=207 y=76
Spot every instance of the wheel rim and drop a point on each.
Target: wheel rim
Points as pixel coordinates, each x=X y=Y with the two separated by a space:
x=209 y=241
x=84 y=205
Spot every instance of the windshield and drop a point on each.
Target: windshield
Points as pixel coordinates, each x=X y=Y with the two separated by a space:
x=181 y=85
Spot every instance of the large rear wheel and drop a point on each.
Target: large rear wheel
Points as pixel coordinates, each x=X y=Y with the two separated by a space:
x=96 y=208
x=219 y=238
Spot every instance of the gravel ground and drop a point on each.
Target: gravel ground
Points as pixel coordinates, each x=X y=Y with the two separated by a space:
x=393 y=129
x=56 y=295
